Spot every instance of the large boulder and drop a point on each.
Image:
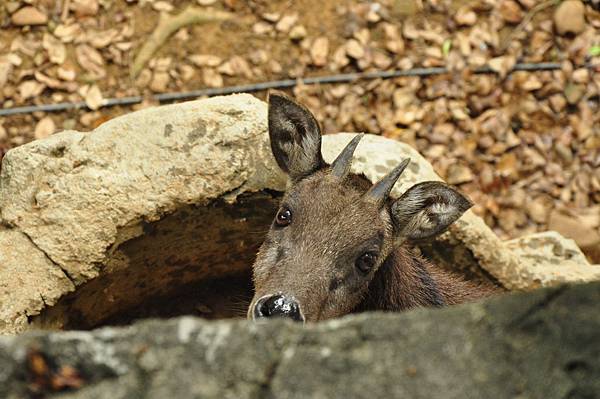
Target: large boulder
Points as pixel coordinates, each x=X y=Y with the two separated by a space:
x=97 y=224
x=544 y=344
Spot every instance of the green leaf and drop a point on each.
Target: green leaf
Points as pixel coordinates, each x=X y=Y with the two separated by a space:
x=446 y=47
x=594 y=51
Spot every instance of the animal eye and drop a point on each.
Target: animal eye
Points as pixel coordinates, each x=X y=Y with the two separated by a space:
x=366 y=261
x=284 y=217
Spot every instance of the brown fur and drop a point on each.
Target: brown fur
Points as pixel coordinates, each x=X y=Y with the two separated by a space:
x=407 y=281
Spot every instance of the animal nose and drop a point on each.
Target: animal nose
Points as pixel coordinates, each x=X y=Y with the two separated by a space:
x=278 y=306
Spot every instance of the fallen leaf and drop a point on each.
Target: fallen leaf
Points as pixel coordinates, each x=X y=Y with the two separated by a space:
x=90 y=60
x=319 y=51
x=85 y=8
x=286 y=22
x=30 y=88
x=569 y=17
x=57 y=52
x=205 y=60
x=93 y=97
x=44 y=128
x=29 y=16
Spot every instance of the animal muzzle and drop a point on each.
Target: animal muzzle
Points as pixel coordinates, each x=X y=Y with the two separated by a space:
x=279 y=305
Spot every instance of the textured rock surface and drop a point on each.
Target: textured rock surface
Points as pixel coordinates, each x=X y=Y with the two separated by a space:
x=134 y=204
x=544 y=344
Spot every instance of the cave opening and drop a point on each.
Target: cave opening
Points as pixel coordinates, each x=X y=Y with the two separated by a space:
x=195 y=261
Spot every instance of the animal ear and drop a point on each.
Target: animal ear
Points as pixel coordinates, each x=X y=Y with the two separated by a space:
x=427 y=209
x=295 y=136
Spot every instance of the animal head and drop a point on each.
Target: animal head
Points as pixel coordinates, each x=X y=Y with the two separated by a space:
x=334 y=229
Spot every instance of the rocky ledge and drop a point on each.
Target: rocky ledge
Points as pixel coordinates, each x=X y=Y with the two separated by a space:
x=543 y=344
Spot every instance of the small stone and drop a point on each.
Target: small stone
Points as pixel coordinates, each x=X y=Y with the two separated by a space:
x=206 y=2
x=44 y=128
x=29 y=16
x=511 y=11
x=458 y=174
x=569 y=17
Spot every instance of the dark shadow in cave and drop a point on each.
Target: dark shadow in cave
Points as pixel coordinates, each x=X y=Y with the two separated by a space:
x=196 y=261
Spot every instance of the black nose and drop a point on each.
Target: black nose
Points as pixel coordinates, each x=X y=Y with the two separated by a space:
x=278 y=306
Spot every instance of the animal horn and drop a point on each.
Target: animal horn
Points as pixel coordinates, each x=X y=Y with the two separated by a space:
x=341 y=166
x=381 y=190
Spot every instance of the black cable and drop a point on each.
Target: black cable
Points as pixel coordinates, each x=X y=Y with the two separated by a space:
x=275 y=84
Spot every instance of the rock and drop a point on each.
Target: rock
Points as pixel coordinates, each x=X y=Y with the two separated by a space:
x=548 y=251
x=28 y=281
x=29 y=16
x=572 y=225
x=569 y=17
x=121 y=213
x=512 y=343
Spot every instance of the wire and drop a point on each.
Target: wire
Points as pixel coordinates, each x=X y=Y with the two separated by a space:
x=275 y=84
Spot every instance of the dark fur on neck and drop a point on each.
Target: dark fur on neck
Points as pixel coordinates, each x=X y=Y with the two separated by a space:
x=406 y=281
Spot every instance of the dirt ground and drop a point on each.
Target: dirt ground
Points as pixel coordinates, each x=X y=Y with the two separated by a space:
x=525 y=146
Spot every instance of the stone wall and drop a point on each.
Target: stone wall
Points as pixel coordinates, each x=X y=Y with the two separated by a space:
x=544 y=344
